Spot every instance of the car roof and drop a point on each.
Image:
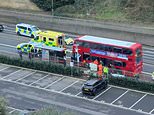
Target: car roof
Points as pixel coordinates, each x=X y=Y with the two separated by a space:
x=91 y=82
x=26 y=25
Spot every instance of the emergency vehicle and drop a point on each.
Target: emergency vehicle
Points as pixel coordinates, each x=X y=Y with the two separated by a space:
x=27 y=30
x=51 y=38
x=25 y=47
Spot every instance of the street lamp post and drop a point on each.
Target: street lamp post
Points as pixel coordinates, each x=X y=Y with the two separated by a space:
x=52 y=7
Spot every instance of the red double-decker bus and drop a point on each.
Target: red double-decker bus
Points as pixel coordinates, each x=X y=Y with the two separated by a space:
x=123 y=55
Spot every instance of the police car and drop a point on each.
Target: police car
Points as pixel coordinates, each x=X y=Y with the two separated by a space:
x=25 y=47
x=27 y=30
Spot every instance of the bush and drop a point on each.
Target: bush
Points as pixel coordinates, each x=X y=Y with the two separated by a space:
x=2 y=106
x=50 y=111
x=43 y=66
x=132 y=83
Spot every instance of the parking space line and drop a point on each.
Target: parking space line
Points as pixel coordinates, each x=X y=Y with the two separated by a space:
x=78 y=93
x=12 y=111
x=101 y=93
x=39 y=79
x=138 y=101
x=151 y=111
x=69 y=85
x=25 y=76
x=4 y=68
x=119 y=97
x=54 y=82
x=125 y=108
x=11 y=74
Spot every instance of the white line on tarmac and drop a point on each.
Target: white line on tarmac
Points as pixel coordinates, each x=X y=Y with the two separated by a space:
x=25 y=76
x=78 y=93
x=4 y=68
x=77 y=97
x=137 y=101
x=39 y=79
x=12 y=111
x=7 y=45
x=151 y=111
x=119 y=97
x=11 y=74
x=54 y=82
x=102 y=93
x=69 y=86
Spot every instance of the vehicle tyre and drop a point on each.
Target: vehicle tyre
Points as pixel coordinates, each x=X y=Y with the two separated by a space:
x=18 y=33
x=32 y=36
x=94 y=92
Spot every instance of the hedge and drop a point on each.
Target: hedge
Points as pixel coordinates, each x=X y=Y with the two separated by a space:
x=131 y=83
x=43 y=66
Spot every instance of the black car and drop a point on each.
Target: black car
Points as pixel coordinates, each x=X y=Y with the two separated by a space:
x=1 y=28
x=94 y=86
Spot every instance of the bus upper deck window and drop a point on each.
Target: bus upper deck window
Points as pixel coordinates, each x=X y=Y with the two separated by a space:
x=127 y=51
x=117 y=50
x=108 y=48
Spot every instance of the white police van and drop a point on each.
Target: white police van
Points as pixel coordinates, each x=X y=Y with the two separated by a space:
x=27 y=30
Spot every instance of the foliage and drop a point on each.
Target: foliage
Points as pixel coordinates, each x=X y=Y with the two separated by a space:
x=50 y=111
x=2 y=106
x=47 y=4
x=117 y=10
x=43 y=66
x=132 y=84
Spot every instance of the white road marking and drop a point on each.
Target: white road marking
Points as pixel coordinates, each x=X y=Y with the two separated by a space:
x=147 y=73
x=25 y=76
x=54 y=82
x=12 y=111
x=39 y=79
x=151 y=111
x=69 y=86
x=119 y=97
x=77 y=97
x=7 y=45
x=4 y=68
x=137 y=101
x=102 y=93
x=78 y=93
x=11 y=74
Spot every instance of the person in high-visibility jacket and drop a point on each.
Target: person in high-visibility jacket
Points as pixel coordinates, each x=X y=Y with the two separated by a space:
x=106 y=71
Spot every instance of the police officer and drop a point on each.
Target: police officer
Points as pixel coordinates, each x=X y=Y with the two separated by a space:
x=106 y=71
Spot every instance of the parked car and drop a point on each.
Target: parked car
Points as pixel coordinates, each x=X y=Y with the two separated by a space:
x=94 y=86
x=1 y=28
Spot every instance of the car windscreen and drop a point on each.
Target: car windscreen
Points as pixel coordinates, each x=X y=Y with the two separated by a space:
x=35 y=28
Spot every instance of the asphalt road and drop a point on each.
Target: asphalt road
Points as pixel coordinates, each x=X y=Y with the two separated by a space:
x=27 y=89
x=9 y=41
x=23 y=95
